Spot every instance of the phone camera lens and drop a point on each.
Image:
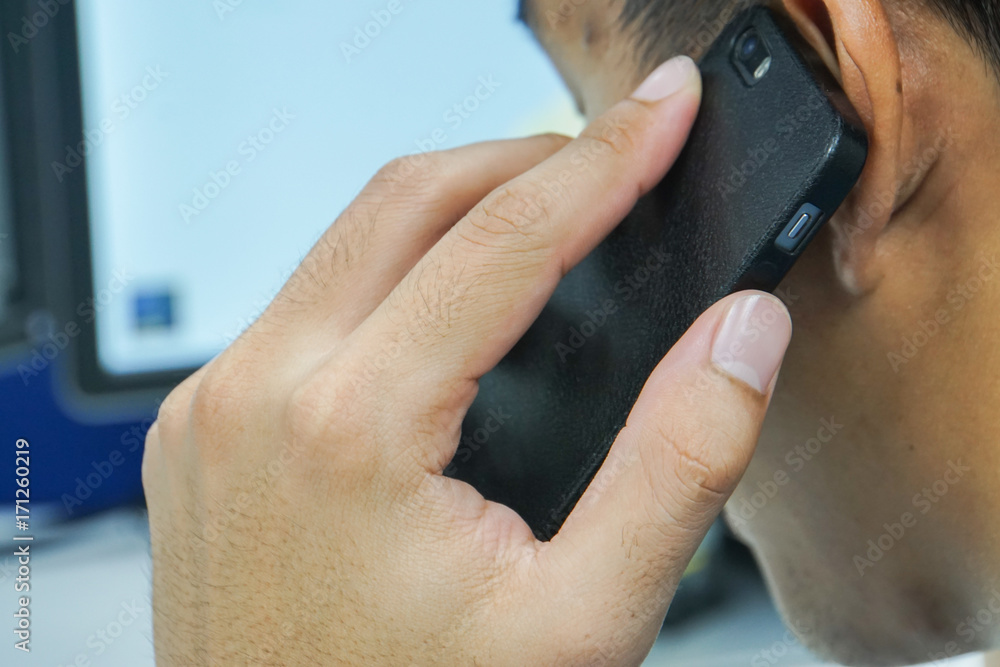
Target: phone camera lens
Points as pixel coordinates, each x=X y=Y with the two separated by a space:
x=748 y=45
x=752 y=56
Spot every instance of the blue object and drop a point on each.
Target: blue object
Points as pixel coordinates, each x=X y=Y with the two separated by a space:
x=79 y=468
x=154 y=310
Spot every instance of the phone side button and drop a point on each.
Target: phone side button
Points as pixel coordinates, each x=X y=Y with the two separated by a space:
x=799 y=229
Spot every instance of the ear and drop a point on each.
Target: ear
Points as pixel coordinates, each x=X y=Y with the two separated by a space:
x=856 y=40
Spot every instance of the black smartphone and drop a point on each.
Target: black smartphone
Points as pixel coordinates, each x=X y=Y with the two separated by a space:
x=774 y=151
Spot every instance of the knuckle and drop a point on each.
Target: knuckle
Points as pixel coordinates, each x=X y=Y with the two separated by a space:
x=217 y=398
x=395 y=171
x=227 y=406
x=328 y=411
x=350 y=424
x=403 y=186
x=700 y=465
x=593 y=143
x=419 y=175
x=174 y=413
x=307 y=412
x=516 y=213
x=612 y=133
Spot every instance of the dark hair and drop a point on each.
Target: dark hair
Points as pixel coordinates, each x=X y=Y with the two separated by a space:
x=977 y=20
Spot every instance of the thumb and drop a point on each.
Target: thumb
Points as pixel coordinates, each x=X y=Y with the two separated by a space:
x=687 y=442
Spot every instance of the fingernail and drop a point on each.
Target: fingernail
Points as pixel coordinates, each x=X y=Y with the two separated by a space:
x=751 y=342
x=666 y=79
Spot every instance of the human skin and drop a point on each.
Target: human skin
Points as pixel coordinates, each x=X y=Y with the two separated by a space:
x=297 y=510
x=896 y=308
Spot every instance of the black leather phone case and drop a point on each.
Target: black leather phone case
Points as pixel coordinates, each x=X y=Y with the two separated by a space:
x=546 y=416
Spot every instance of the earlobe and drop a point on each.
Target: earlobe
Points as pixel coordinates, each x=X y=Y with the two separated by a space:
x=857 y=37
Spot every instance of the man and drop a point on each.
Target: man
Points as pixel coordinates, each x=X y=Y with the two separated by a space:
x=297 y=511
x=870 y=500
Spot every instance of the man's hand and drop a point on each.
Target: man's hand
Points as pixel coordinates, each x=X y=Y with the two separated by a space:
x=296 y=503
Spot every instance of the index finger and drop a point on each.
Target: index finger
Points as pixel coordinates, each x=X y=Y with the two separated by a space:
x=466 y=303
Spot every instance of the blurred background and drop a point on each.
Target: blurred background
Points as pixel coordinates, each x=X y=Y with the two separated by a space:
x=164 y=167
